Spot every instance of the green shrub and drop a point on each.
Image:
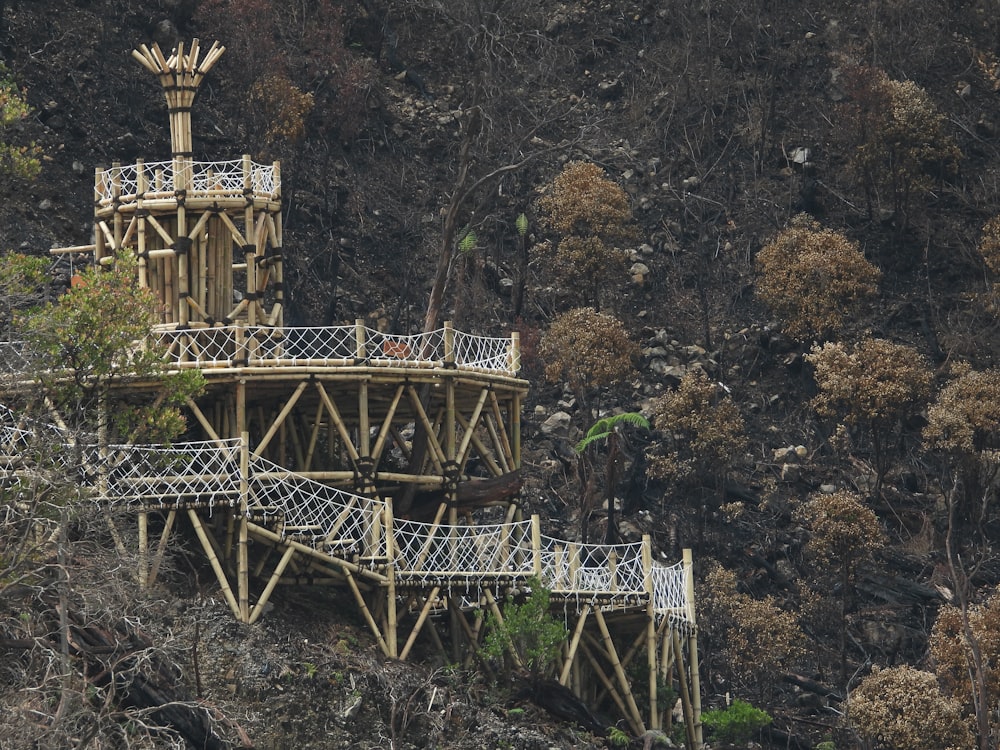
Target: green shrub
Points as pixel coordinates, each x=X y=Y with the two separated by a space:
x=527 y=630
x=737 y=723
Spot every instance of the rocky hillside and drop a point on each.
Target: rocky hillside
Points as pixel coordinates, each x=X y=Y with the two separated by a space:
x=405 y=126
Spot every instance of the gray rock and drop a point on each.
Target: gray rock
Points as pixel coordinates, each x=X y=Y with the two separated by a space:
x=558 y=424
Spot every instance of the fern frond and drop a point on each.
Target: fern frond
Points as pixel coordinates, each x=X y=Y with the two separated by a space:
x=603 y=427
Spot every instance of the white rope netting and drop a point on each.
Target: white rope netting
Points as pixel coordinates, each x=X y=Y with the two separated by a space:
x=200 y=472
x=327 y=517
x=429 y=553
x=217 y=178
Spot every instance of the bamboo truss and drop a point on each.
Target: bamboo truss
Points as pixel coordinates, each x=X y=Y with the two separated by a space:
x=382 y=465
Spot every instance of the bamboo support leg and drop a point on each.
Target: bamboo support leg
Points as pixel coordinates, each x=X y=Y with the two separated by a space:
x=143 y=549
x=421 y=618
x=161 y=548
x=213 y=560
x=275 y=577
x=609 y=647
x=366 y=613
x=682 y=679
x=574 y=644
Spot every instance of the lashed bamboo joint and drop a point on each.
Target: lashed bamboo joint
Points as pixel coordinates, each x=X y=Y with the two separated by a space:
x=387 y=465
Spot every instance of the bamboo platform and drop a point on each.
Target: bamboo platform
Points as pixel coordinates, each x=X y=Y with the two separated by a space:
x=385 y=467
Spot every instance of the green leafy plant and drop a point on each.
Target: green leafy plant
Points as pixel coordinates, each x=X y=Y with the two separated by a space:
x=736 y=723
x=528 y=634
x=617 y=737
x=608 y=429
x=18 y=160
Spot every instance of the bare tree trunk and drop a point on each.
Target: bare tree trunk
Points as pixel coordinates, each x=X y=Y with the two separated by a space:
x=960 y=581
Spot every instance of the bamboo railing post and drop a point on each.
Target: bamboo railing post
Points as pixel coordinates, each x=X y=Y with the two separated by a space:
x=449 y=344
x=390 y=588
x=100 y=190
x=647 y=570
x=693 y=649
x=360 y=338
x=536 y=545
x=143 y=549
x=514 y=357
x=242 y=564
x=116 y=195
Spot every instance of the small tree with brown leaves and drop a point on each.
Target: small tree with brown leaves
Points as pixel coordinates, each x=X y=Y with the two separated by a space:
x=843 y=532
x=759 y=641
x=965 y=648
x=874 y=384
x=587 y=349
x=901 y=139
x=589 y=212
x=901 y=708
x=963 y=428
x=702 y=434
x=816 y=280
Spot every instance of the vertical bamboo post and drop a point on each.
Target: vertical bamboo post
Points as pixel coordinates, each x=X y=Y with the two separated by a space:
x=140 y=213
x=692 y=639
x=449 y=344
x=143 y=549
x=514 y=362
x=101 y=185
x=536 y=545
x=242 y=562
x=116 y=185
x=390 y=589
x=250 y=249
x=647 y=571
x=360 y=338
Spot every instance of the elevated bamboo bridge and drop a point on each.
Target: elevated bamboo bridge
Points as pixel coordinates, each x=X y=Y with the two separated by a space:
x=385 y=466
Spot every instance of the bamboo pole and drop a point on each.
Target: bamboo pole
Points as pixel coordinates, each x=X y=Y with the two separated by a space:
x=272 y=582
x=161 y=548
x=463 y=449
x=682 y=679
x=366 y=613
x=143 y=549
x=574 y=644
x=338 y=422
x=609 y=648
x=390 y=590
x=280 y=419
x=243 y=574
x=606 y=682
x=213 y=560
x=424 y=611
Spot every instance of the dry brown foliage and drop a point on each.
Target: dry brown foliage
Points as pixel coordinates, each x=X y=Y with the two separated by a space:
x=901 y=708
x=703 y=432
x=587 y=349
x=989 y=245
x=590 y=212
x=842 y=528
x=949 y=648
x=814 y=279
x=760 y=641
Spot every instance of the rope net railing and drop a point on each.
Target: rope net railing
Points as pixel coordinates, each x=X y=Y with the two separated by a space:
x=263 y=346
x=205 y=473
x=325 y=517
x=430 y=553
x=161 y=178
x=593 y=569
x=332 y=346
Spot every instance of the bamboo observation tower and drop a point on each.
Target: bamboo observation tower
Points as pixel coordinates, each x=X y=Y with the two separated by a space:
x=386 y=466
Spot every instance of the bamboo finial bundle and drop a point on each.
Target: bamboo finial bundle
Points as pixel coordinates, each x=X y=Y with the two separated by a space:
x=180 y=75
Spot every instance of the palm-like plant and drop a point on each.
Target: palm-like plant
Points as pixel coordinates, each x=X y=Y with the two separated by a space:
x=610 y=429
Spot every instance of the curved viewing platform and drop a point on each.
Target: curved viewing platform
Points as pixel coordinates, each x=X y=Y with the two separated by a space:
x=235 y=346
x=234 y=181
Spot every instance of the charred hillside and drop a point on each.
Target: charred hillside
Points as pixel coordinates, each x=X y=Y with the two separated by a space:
x=824 y=439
